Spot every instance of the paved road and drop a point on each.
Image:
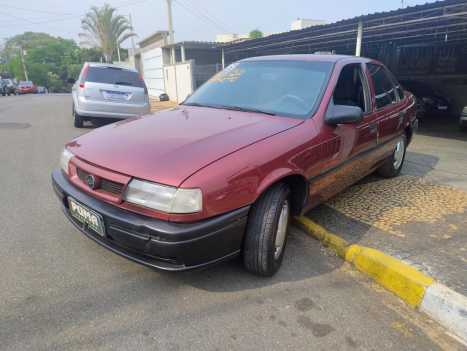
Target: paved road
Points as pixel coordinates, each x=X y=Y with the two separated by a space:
x=61 y=291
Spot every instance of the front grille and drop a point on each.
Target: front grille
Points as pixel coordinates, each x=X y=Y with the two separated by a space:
x=105 y=184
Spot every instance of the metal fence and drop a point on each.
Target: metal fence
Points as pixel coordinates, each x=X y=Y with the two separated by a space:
x=202 y=73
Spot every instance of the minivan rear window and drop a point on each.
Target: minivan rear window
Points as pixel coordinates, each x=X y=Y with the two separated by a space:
x=115 y=76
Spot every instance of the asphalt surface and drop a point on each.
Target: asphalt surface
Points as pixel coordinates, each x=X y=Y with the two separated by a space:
x=61 y=291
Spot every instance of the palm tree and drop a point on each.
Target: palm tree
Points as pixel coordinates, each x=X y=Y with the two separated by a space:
x=105 y=30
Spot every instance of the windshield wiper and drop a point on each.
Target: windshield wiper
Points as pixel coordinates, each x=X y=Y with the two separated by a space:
x=200 y=105
x=242 y=109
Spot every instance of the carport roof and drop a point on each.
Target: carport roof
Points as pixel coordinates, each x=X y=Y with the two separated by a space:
x=422 y=22
x=195 y=45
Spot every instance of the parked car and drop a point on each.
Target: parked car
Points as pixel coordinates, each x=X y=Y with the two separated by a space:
x=4 y=88
x=42 y=90
x=463 y=120
x=27 y=87
x=265 y=139
x=435 y=103
x=12 y=86
x=105 y=91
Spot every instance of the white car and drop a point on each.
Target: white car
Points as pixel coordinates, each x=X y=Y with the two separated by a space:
x=105 y=91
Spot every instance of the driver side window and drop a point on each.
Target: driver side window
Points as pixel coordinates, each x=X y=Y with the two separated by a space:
x=351 y=88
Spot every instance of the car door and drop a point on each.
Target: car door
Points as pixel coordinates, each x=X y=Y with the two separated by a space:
x=390 y=108
x=345 y=148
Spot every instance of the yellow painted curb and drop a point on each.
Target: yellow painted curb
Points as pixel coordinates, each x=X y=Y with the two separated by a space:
x=403 y=280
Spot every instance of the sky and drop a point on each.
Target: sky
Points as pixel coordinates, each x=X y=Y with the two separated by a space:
x=192 y=19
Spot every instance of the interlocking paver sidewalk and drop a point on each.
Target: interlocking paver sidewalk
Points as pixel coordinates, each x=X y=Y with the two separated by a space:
x=421 y=223
x=157 y=105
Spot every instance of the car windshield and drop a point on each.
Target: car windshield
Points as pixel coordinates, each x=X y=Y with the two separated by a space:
x=116 y=76
x=282 y=88
x=25 y=83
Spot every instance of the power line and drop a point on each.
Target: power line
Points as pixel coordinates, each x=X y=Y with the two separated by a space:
x=194 y=8
x=61 y=19
x=210 y=22
x=218 y=20
x=61 y=30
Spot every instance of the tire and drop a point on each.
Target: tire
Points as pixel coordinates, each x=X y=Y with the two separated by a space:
x=260 y=254
x=393 y=165
x=463 y=128
x=77 y=120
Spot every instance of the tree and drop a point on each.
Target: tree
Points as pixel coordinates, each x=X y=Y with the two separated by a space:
x=105 y=30
x=28 y=40
x=256 y=33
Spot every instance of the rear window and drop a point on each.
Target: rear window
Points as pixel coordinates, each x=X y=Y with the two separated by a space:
x=114 y=76
x=384 y=90
x=25 y=83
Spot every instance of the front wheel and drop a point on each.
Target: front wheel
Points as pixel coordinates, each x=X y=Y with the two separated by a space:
x=266 y=230
x=393 y=165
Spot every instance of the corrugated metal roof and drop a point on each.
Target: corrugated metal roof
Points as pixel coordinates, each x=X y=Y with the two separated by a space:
x=368 y=17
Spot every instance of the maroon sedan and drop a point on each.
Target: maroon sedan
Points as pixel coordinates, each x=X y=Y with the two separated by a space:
x=27 y=87
x=222 y=173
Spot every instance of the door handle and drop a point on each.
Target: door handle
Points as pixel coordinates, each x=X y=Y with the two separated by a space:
x=401 y=116
x=373 y=127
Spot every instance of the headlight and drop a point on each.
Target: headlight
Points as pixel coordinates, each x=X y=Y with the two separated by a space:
x=465 y=109
x=64 y=159
x=163 y=198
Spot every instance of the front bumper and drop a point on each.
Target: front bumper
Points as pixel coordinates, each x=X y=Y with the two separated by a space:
x=463 y=120
x=162 y=245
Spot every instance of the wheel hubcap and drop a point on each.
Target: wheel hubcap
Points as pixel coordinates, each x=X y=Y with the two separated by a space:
x=399 y=153
x=281 y=229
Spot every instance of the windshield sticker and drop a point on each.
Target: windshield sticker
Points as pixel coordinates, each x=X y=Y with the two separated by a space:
x=226 y=76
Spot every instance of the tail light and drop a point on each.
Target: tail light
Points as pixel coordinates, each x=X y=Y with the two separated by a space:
x=83 y=77
x=142 y=80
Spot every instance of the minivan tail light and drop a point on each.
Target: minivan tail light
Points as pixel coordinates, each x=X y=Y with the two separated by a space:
x=83 y=77
x=142 y=80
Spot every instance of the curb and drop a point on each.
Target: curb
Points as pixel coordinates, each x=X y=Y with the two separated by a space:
x=444 y=305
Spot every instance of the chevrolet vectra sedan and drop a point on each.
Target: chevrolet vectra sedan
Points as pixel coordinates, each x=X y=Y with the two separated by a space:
x=221 y=174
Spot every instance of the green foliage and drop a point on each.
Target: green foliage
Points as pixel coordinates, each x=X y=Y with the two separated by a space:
x=90 y=55
x=105 y=30
x=28 y=40
x=256 y=33
x=73 y=71
x=47 y=61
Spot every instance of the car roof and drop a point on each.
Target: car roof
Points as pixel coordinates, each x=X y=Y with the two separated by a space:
x=307 y=57
x=97 y=64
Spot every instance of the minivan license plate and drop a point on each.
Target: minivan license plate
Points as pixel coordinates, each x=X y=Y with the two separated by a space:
x=113 y=95
x=84 y=214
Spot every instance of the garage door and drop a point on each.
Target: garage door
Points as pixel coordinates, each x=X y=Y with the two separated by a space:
x=153 y=73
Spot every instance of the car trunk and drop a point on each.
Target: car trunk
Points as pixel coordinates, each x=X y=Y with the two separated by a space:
x=114 y=85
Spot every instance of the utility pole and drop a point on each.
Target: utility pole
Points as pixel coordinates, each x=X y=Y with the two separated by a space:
x=24 y=63
x=171 y=30
x=132 y=41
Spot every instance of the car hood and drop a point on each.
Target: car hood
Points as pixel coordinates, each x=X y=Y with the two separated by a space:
x=169 y=146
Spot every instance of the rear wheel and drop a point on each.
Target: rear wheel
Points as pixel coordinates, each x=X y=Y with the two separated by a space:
x=393 y=165
x=266 y=230
x=77 y=120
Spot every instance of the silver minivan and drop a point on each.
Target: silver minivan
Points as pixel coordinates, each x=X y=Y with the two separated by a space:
x=105 y=92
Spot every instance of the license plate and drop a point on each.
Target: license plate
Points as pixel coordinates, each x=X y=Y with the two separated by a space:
x=442 y=107
x=113 y=95
x=84 y=214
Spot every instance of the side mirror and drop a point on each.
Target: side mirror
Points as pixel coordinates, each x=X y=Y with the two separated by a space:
x=343 y=114
x=71 y=80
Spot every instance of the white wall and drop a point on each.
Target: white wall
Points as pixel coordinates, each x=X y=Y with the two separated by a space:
x=178 y=79
x=305 y=23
